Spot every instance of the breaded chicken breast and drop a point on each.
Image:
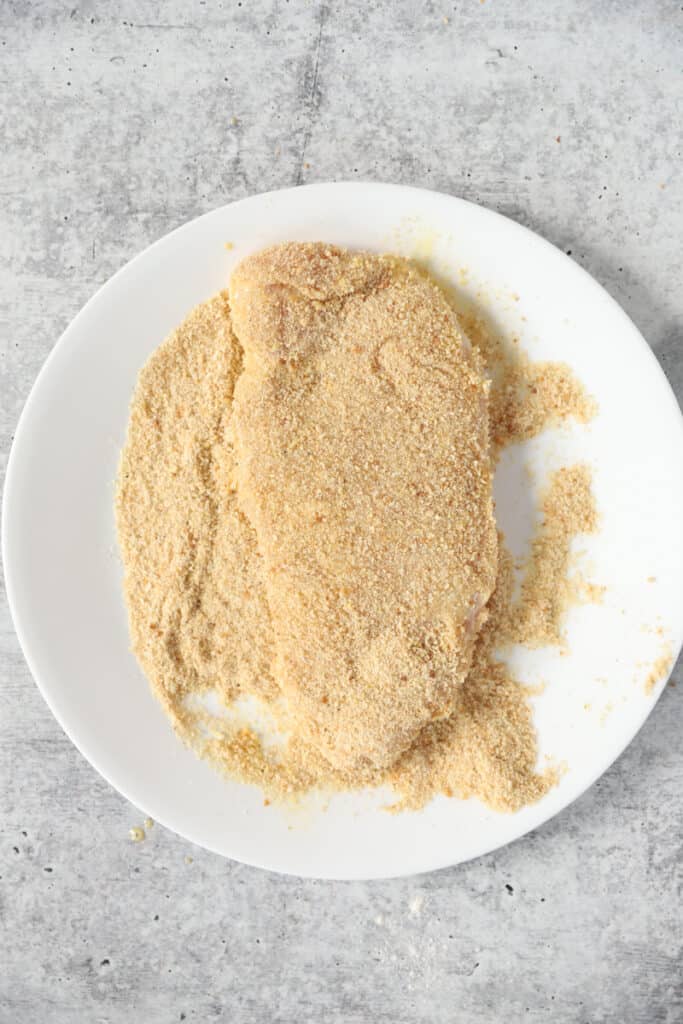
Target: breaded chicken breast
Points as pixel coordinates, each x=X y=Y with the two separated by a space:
x=362 y=461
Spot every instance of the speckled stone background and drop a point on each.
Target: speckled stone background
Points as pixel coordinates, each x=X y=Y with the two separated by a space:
x=119 y=122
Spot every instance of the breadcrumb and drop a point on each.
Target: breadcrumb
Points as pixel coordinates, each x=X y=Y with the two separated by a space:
x=197 y=582
x=362 y=461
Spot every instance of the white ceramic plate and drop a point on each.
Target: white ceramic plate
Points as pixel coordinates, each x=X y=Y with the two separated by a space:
x=64 y=576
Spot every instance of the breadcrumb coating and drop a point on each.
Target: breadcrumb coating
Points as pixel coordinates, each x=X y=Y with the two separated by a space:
x=361 y=439
x=317 y=428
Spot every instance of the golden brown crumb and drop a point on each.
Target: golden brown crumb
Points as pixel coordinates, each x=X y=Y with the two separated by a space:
x=587 y=592
x=137 y=834
x=198 y=615
x=526 y=397
x=659 y=668
x=606 y=712
x=361 y=436
x=196 y=591
x=568 y=509
x=487 y=747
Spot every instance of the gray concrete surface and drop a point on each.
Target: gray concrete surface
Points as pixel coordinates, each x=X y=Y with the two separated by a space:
x=119 y=122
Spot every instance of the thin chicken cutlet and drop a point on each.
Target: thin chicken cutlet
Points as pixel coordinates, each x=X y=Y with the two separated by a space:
x=361 y=437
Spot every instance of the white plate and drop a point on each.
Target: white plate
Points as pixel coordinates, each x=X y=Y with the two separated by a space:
x=63 y=572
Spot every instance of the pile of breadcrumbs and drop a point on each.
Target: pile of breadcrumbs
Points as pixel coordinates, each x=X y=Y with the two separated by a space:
x=236 y=523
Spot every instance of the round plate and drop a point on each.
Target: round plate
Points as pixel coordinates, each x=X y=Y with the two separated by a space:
x=64 y=575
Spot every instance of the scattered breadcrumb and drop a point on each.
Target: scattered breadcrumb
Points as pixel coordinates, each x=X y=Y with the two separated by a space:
x=606 y=712
x=196 y=585
x=526 y=397
x=587 y=592
x=568 y=509
x=137 y=834
x=659 y=668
